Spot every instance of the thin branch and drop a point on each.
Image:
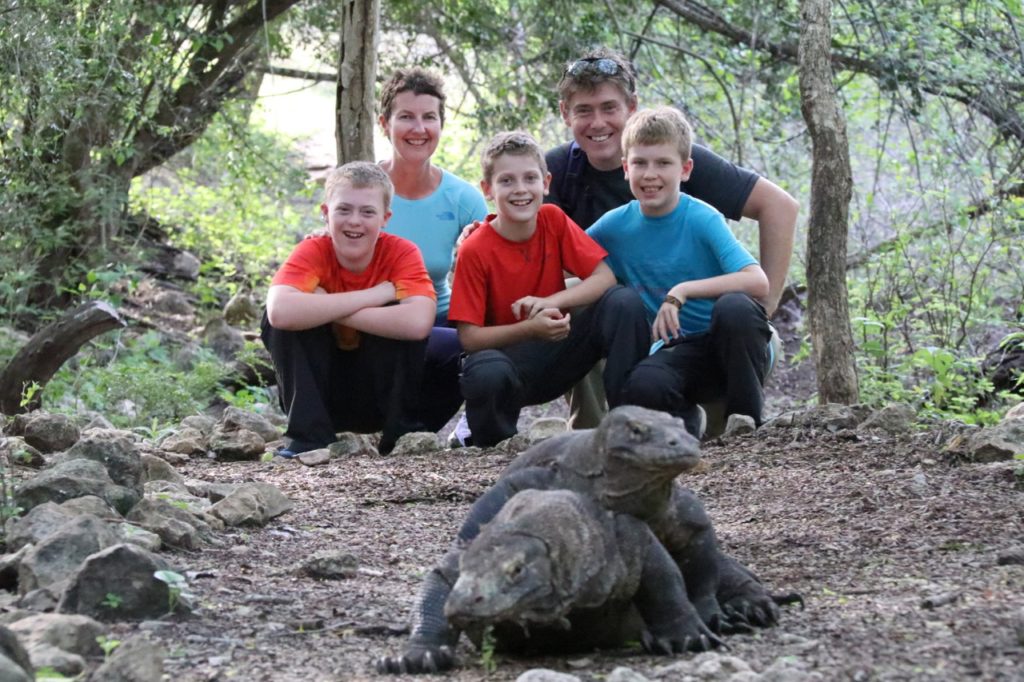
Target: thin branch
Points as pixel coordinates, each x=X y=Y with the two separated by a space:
x=1005 y=118
x=300 y=74
x=702 y=60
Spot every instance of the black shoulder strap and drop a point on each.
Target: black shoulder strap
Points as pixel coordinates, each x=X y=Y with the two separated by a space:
x=568 y=191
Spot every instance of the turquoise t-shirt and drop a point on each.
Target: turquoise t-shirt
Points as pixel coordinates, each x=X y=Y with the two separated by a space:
x=652 y=255
x=434 y=222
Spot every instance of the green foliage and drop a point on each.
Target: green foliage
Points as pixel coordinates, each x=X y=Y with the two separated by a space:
x=1014 y=340
x=108 y=645
x=48 y=673
x=142 y=372
x=28 y=395
x=112 y=601
x=487 y=646
x=249 y=397
x=508 y=54
x=92 y=95
x=237 y=198
x=177 y=587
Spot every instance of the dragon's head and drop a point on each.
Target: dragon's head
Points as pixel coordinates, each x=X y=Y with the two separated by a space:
x=506 y=577
x=527 y=565
x=643 y=451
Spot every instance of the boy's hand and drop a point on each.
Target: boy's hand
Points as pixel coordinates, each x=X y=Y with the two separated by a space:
x=550 y=324
x=528 y=306
x=466 y=231
x=322 y=232
x=666 y=322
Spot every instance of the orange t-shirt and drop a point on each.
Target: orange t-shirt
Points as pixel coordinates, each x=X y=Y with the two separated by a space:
x=313 y=264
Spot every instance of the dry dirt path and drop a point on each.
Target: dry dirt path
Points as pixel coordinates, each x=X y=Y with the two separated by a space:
x=866 y=529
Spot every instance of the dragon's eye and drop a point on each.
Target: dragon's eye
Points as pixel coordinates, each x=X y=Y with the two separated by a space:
x=514 y=570
x=637 y=431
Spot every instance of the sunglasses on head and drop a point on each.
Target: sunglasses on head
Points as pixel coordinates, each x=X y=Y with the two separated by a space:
x=601 y=65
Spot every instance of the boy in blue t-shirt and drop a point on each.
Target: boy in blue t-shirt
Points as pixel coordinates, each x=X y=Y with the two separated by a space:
x=697 y=282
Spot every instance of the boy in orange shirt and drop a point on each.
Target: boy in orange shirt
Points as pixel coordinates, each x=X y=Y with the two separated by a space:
x=347 y=321
x=510 y=302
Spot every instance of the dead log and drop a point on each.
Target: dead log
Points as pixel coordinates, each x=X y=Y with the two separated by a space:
x=52 y=346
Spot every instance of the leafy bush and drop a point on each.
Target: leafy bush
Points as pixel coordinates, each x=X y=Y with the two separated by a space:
x=236 y=198
x=136 y=378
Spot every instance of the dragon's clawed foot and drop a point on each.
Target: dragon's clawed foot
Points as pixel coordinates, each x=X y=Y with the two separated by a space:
x=695 y=638
x=418 y=660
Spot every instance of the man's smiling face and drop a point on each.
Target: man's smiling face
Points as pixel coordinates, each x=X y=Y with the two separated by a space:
x=597 y=118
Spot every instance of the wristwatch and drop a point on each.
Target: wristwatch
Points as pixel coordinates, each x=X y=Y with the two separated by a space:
x=673 y=300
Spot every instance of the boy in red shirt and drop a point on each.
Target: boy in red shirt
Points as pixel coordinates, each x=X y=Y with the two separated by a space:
x=347 y=320
x=511 y=305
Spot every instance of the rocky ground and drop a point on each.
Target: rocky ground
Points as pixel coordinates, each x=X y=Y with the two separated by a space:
x=909 y=555
x=897 y=547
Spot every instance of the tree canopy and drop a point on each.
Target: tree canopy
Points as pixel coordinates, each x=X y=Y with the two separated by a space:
x=93 y=94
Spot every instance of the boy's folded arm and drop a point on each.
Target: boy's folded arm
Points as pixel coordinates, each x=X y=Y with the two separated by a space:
x=549 y=325
x=474 y=337
x=410 y=320
x=293 y=309
x=587 y=291
x=750 y=280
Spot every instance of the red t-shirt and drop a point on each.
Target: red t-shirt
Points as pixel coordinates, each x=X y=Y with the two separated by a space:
x=313 y=264
x=492 y=272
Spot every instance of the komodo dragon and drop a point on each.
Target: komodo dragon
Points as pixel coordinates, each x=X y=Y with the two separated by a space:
x=628 y=464
x=728 y=596
x=556 y=572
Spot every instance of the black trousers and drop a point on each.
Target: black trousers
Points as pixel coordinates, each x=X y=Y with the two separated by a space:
x=324 y=389
x=498 y=383
x=728 y=362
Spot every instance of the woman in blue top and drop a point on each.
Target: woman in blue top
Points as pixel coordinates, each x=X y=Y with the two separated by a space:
x=430 y=208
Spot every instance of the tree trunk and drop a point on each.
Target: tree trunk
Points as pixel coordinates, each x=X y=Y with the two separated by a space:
x=49 y=349
x=831 y=191
x=357 y=72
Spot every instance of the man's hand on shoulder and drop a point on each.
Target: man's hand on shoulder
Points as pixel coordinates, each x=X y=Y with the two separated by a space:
x=550 y=324
x=322 y=232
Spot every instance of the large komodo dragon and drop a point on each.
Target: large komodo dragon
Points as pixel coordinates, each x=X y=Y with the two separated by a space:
x=627 y=464
x=556 y=572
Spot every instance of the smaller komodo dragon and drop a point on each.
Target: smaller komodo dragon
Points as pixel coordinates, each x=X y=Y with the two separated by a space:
x=628 y=464
x=555 y=572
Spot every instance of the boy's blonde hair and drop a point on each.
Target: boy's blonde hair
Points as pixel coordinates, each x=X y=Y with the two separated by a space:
x=359 y=174
x=514 y=143
x=658 y=126
x=416 y=80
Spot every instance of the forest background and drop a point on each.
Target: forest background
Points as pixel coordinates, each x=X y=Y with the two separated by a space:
x=125 y=124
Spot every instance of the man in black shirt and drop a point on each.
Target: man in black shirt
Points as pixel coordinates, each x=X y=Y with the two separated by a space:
x=597 y=94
